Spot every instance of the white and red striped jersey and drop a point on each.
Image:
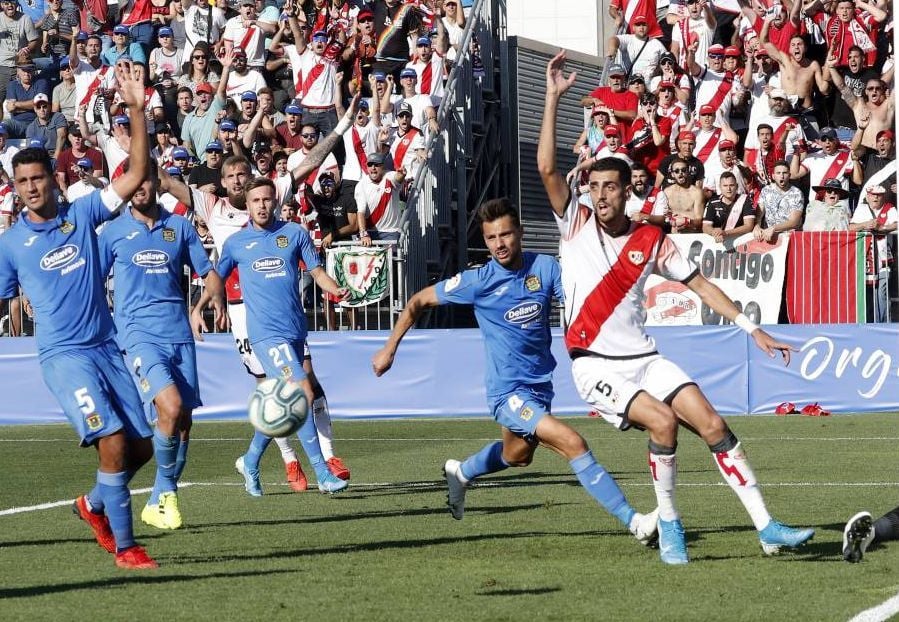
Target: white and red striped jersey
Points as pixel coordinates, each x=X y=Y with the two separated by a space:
x=358 y=142
x=152 y=100
x=706 y=149
x=688 y=30
x=251 y=39
x=223 y=221
x=239 y=84
x=783 y=127
x=380 y=202
x=420 y=104
x=714 y=90
x=430 y=76
x=648 y=205
x=114 y=154
x=821 y=166
x=603 y=278
x=402 y=149
x=329 y=165
x=677 y=114
x=313 y=77
x=88 y=82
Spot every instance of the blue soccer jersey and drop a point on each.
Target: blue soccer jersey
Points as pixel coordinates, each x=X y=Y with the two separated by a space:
x=148 y=267
x=269 y=277
x=57 y=264
x=512 y=309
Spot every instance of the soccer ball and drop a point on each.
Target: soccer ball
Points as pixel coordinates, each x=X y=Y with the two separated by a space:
x=277 y=408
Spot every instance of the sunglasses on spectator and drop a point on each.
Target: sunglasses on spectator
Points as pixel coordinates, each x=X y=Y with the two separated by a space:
x=667 y=61
x=678 y=171
x=873 y=88
x=365 y=20
x=373 y=164
x=200 y=57
x=689 y=2
x=716 y=55
x=308 y=135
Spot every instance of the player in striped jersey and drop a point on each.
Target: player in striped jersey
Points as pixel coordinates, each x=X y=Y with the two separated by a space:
x=606 y=260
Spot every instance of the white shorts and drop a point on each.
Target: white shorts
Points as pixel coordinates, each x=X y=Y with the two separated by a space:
x=237 y=313
x=610 y=385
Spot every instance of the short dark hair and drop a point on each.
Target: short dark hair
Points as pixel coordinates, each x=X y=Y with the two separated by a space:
x=727 y=175
x=279 y=155
x=780 y=163
x=764 y=126
x=33 y=155
x=614 y=164
x=313 y=126
x=855 y=48
x=259 y=182
x=184 y=89
x=494 y=209
x=638 y=166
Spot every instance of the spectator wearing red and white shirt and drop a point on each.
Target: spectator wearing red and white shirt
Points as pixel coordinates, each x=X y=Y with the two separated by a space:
x=650 y=135
x=116 y=147
x=855 y=23
x=631 y=12
x=359 y=141
x=406 y=140
x=831 y=162
x=310 y=135
x=694 y=31
x=616 y=97
x=378 y=201
x=94 y=82
x=708 y=135
x=671 y=109
x=428 y=66
x=248 y=33
x=424 y=107
x=715 y=87
x=238 y=76
x=314 y=69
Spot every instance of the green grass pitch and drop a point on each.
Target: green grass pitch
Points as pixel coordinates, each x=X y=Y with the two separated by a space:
x=533 y=544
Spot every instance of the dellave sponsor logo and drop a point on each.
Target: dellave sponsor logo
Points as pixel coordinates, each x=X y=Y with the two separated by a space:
x=150 y=258
x=59 y=257
x=268 y=264
x=523 y=312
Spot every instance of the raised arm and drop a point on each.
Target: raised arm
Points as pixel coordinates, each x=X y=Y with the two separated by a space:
x=315 y=157
x=131 y=87
x=556 y=85
x=383 y=358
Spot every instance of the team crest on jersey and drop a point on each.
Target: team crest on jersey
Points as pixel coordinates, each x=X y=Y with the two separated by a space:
x=281 y=241
x=66 y=227
x=286 y=371
x=452 y=283
x=144 y=385
x=168 y=235
x=637 y=258
x=526 y=413
x=532 y=282
x=94 y=422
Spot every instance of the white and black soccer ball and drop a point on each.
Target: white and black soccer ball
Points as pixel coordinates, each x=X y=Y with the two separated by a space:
x=277 y=407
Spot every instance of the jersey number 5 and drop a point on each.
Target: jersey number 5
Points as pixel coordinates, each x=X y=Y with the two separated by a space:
x=85 y=401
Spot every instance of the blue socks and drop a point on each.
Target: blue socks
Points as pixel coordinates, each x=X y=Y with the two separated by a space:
x=488 y=460
x=165 y=448
x=254 y=452
x=308 y=435
x=181 y=458
x=602 y=487
x=113 y=489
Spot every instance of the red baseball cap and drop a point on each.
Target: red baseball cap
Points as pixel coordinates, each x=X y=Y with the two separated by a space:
x=611 y=130
x=726 y=144
x=885 y=134
x=205 y=87
x=732 y=51
x=716 y=49
x=706 y=110
x=686 y=135
x=639 y=19
x=665 y=84
x=363 y=14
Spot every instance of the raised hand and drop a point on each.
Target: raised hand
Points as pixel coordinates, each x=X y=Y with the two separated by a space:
x=556 y=82
x=131 y=86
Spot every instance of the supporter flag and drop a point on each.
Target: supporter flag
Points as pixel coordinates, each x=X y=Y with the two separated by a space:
x=826 y=277
x=364 y=271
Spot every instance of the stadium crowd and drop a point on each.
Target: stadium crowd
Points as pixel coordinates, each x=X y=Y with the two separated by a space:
x=256 y=79
x=738 y=117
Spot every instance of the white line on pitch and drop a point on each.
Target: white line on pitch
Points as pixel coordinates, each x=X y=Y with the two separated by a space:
x=883 y=611
x=434 y=484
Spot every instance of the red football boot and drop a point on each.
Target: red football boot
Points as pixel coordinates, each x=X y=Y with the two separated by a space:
x=135 y=558
x=296 y=479
x=338 y=469
x=97 y=522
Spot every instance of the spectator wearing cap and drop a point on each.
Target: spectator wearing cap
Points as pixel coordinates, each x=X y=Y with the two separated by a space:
x=832 y=161
x=249 y=108
x=612 y=148
x=780 y=203
x=637 y=14
x=19 y=33
x=454 y=22
x=197 y=25
x=181 y=158
x=593 y=138
x=360 y=49
x=314 y=74
x=378 y=201
x=639 y=52
x=869 y=162
x=829 y=209
x=7 y=152
x=227 y=136
x=238 y=77
x=115 y=147
x=650 y=135
x=51 y=127
x=94 y=81
x=727 y=162
x=207 y=175
x=200 y=125
x=336 y=211
x=289 y=133
x=637 y=85
x=616 y=98
x=56 y=26
x=358 y=142
x=138 y=18
x=164 y=146
x=877 y=214
x=165 y=60
x=428 y=64
x=424 y=108
x=394 y=22
x=670 y=108
x=79 y=41
x=669 y=71
x=693 y=34
x=87 y=180
x=62 y=99
x=154 y=111
x=683 y=145
x=247 y=32
x=383 y=92
x=123 y=46
x=716 y=87
x=406 y=140
x=20 y=97
x=708 y=136
x=66 y=169
x=310 y=136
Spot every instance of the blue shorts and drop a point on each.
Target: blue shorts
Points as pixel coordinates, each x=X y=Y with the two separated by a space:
x=96 y=392
x=521 y=410
x=281 y=358
x=158 y=365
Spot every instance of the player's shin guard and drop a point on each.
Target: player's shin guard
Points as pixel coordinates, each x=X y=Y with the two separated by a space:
x=663 y=466
x=735 y=469
x=288 y=455
x=117 y=500
x=488 y=460
x=308 y=435
x=887 y=526
x=181 y=458
x=602 y=487
x=322 y=416
x=254 y=452
x=165 y=448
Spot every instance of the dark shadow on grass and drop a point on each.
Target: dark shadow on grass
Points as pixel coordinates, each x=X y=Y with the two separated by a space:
x=145 y=578
x=536 y=591
x=53 y=541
